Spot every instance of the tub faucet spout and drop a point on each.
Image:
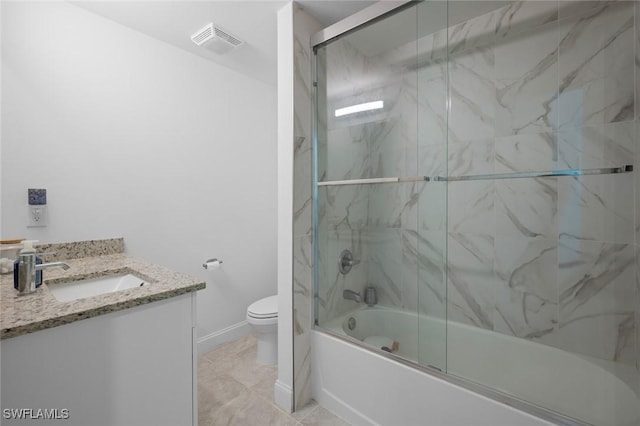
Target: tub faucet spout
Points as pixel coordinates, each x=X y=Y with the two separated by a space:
x=352 y=295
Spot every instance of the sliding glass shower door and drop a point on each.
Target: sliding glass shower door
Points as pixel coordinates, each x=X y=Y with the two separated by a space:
x=373 y=156
x=476 y=199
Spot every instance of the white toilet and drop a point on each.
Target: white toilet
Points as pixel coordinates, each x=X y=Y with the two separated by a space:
x=263 y=317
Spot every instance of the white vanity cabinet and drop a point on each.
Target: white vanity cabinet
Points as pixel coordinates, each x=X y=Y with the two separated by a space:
x=132 y=367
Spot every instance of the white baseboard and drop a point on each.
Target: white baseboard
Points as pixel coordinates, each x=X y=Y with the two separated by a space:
x=215 y=339
x=283 y=396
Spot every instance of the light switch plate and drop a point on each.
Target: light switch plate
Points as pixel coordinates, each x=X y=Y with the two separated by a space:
x=36 y=216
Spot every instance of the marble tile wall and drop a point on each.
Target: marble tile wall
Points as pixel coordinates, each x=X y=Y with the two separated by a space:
x=304 y=26
x=542 y=86
x=532 y=86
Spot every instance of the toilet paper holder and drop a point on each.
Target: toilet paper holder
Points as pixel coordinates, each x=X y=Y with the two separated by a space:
x=205 y=265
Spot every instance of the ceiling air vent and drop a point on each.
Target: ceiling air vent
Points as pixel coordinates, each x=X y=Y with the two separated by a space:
x=216 y=39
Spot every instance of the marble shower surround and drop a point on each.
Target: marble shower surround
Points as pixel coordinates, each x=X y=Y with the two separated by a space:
x=533 y=86
x=554 y=257
x=303 y=27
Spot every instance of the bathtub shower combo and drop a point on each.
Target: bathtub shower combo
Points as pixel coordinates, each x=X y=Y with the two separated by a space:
x=476 y=203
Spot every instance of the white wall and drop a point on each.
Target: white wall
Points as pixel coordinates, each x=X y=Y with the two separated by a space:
x=133 y=137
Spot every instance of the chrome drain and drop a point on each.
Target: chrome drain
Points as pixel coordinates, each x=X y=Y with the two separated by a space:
x=351 y=323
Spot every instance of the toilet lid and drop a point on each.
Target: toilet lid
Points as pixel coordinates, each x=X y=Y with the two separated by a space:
x=264 y=308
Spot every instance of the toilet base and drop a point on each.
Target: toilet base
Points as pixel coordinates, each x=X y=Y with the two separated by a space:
x=267 y=348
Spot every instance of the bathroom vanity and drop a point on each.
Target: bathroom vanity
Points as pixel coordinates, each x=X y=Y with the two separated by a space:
x=125 y=357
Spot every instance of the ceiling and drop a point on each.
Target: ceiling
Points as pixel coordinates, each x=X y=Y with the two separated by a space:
x=329 y=12
x=254 y=22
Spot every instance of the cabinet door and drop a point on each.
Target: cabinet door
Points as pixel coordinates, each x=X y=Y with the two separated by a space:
x=131 y=367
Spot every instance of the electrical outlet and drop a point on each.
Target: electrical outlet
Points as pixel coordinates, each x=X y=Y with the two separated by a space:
x=36 y=216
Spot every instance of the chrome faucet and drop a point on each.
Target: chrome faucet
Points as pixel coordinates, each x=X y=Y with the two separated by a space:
x=352 y=295
x=27 y=269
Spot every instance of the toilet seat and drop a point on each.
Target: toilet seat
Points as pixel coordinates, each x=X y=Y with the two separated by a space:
x=264 y=308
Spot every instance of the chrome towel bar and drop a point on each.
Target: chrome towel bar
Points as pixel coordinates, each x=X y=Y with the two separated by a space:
x=551 y=173
x=515 y=175
x=374 y=180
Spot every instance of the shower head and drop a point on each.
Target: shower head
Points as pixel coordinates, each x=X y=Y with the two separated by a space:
x=216 y=39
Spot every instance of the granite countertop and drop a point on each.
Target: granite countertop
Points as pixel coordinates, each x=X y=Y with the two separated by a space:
x=22 y=314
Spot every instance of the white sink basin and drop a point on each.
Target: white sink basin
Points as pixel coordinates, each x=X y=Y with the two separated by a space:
x=65 y=292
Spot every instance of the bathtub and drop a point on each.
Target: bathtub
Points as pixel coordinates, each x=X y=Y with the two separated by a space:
x=349 y=379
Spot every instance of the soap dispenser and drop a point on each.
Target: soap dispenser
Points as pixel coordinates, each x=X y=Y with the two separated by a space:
x=24 y=266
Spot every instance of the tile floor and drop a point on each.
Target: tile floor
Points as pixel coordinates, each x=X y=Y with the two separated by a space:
x=233 y=389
